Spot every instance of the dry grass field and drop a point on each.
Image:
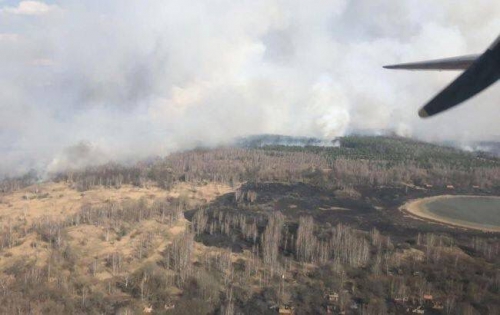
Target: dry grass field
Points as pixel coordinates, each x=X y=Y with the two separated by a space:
x=94 y=246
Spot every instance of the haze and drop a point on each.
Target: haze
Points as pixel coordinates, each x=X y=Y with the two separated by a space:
x=87 y=82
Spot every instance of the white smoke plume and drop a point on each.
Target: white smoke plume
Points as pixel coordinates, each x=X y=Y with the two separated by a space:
x=139 y=78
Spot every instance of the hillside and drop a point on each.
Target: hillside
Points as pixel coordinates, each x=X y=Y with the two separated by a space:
x=250 y=229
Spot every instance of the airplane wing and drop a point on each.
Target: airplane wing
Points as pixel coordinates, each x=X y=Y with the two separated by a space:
x=481 y=74
x=455 y=63
x=481 y=71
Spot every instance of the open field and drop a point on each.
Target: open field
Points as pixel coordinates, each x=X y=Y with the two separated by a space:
x=60 y=200
x=471 y=212
x=21 y=211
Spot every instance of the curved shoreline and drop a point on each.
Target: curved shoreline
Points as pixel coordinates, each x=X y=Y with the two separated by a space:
x=416 y=207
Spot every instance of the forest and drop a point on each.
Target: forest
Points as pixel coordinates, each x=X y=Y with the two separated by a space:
x=356 y=162
x=265 y=226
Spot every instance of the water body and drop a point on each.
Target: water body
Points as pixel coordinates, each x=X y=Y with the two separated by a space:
x=468 y=211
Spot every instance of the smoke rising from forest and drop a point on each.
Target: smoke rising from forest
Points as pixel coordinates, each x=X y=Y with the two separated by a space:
x=87 y=82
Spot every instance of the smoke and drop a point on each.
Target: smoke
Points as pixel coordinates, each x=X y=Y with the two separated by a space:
x=140 y=78
x=77 y=156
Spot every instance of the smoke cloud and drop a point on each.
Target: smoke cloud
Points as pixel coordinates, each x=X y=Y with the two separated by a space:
x=126 y=80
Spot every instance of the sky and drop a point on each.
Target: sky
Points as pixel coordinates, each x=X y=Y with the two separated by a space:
x=85 y=82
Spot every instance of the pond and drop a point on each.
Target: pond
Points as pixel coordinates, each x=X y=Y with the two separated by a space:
x=478 y=212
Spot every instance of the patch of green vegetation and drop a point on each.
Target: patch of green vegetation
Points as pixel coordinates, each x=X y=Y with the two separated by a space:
x=396 y=150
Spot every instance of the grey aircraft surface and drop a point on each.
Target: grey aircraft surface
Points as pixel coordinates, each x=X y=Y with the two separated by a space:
x=481 y=71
